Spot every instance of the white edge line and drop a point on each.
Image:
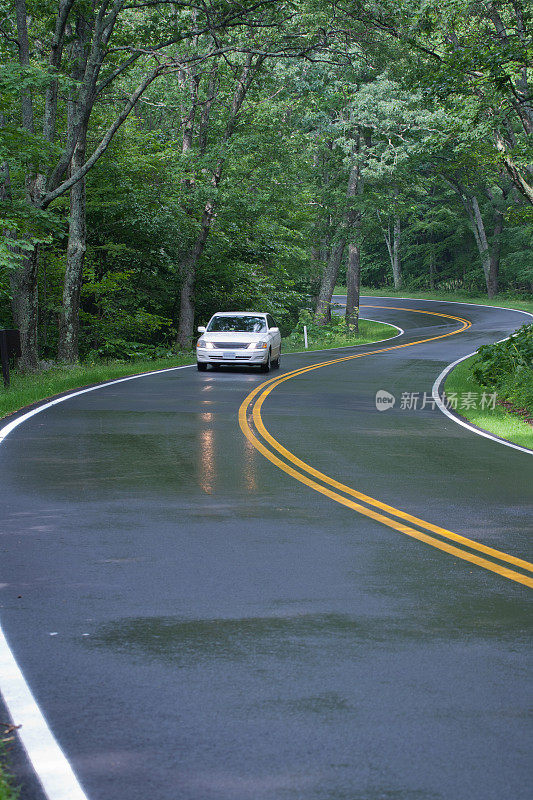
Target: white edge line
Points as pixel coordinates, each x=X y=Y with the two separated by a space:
x=446 y=370
x=48 y=760
x=435 y=392
x=6 y=430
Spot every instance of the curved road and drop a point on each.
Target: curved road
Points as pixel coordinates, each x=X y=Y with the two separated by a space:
x=196 y=622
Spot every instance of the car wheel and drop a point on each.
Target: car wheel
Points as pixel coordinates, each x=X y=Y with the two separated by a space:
x=201 y=366
x=277 y=361
x=266 y=366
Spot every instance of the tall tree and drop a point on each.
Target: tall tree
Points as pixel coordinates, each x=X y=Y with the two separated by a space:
x=113 y=50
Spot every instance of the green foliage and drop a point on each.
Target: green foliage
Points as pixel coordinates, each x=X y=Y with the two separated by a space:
x=497 y=362
x=415 y=92
x=497 y=420
x=8 y=790
x=508 y=367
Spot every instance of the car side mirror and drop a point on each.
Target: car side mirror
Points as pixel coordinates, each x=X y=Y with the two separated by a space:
x=201 y=328
x=274 y=330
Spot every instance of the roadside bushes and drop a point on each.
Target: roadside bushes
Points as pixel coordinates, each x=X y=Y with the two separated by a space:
x=507 y=368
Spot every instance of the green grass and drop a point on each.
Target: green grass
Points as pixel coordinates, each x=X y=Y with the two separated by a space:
x=459 y=297
x=8 y=791
x=498 y=421
x=368 y=332
x=27 y=389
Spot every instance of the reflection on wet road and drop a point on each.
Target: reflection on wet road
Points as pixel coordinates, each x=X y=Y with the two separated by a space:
x=224 y=632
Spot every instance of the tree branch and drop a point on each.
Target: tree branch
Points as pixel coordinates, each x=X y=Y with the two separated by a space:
x=106 y=140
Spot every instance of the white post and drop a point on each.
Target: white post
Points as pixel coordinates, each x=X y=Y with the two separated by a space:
x=305 y=336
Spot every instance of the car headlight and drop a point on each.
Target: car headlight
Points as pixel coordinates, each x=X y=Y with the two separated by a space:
x=257 y=346
x=206 y=345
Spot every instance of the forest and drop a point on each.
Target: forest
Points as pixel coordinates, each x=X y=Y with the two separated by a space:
x=163 y=160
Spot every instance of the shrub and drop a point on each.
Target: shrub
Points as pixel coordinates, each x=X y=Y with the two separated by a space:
x=507 y=367
x=496 y=363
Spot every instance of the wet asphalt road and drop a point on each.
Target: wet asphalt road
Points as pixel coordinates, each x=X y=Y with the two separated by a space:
x=249 y=639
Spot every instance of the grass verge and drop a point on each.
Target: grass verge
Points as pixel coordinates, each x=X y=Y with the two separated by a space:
x=458 y=297
x=27 y=389
x=8 y=791
x=499 y=420
x=368 y=332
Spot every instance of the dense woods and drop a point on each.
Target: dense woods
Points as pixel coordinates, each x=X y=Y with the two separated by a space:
x=163 y=160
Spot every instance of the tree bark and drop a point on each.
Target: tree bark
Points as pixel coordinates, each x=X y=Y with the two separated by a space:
x=392 y=240
x=432 y=263
x=353 y=283
x=349 y=220
x=494 y=261
x=329 y=279
x=396 y=265
x=24 y=61
x=489 y=253
x=69 y=324
x=514 y=172
x=25 y=308
x=353 y=223
x=188 y=272
x=23 y=281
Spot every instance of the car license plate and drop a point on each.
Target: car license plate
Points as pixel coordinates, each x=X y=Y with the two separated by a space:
x=228 y=355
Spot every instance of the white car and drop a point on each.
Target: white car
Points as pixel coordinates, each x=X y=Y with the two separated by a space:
x=239 y=337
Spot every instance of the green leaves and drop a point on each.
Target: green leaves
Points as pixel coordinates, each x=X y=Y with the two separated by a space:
x=496 y=363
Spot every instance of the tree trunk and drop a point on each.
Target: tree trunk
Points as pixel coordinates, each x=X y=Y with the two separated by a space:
x=23 y=281
x=188 y=271
x=353 y=219
x=396 y=264
x=186 y=320
x=490 y=257
x=494 y=261
x=24 y=61
x=327 y=284
x=392 y=240
x=25 y=307
x=353 y=283
x=69 y=322
x=432 y=264
x=515 y=173
x=481 y=238
x=350 y=217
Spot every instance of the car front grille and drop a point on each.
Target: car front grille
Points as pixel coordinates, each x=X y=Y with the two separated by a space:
x=237 y=358
x=230 y=345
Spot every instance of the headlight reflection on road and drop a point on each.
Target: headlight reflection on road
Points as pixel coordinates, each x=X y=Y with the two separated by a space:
x=206 y=461
x=211 y=460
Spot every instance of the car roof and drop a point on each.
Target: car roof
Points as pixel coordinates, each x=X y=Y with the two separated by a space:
x=240 y=314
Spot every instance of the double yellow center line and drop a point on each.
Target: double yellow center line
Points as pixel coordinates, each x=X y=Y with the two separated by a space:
x=252 y=426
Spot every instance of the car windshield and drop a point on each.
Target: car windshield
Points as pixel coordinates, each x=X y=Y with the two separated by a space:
x=243 y=324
